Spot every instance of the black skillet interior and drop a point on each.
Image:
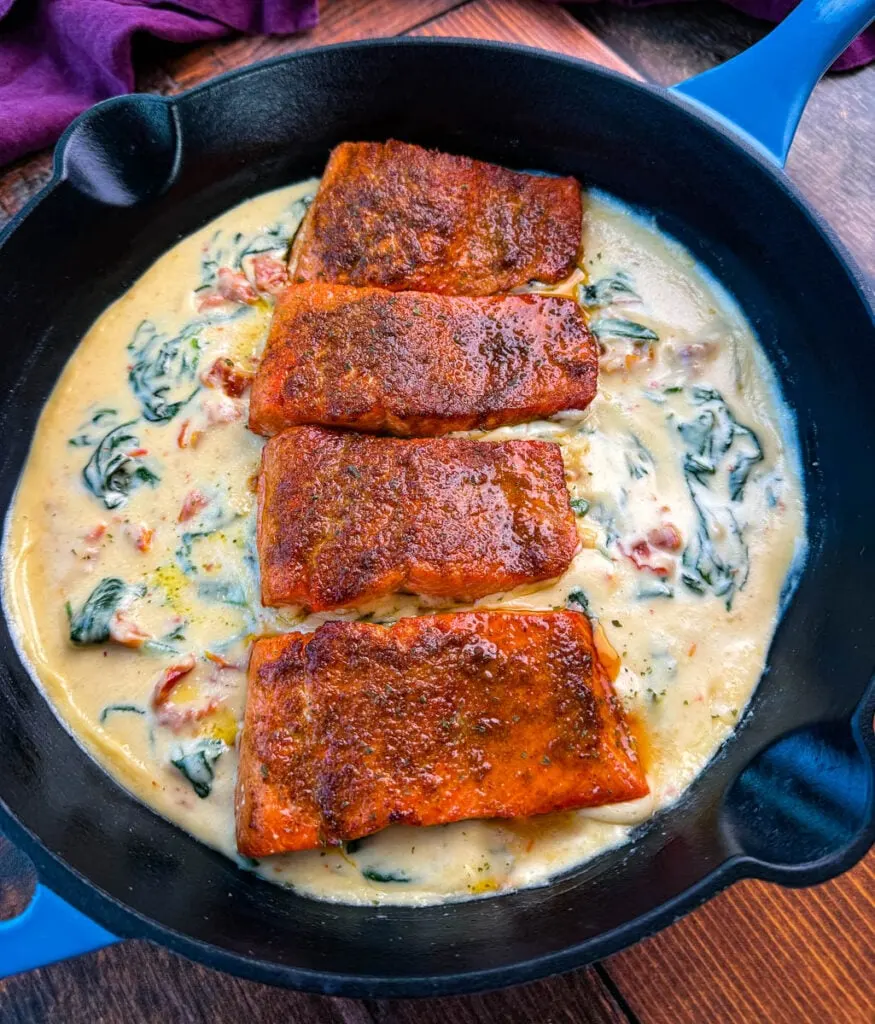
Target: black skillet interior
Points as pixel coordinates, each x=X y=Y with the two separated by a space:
x=138 y=174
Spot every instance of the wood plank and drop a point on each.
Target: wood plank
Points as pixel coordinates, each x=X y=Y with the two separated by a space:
x=137 y=983
x=17 y=880
x=21 y=181
x=339 y=20
x=530 y=22
x=832 y=160
x=575 y=998
x=760 y=953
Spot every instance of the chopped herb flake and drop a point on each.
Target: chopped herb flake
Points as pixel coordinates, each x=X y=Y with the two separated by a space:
x=163 y=372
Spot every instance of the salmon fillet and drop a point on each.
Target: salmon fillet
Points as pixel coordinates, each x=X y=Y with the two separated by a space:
x=435 y=719
x=344 y=518
x=401 y=217
x=414 y=363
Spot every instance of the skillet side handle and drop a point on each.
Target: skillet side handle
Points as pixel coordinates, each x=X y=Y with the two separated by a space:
x=762 y=92
x=48 y=930
x=803 y=810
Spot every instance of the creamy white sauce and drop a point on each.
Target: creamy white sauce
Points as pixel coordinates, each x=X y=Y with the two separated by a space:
x=690 y=663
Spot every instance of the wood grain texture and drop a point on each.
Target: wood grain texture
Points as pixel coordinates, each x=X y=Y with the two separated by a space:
x=142 y=984
x=833 y=157
x=21 y=181
x=576 y=998
x=530 y=22
x=17 y=880
x=137 y=983
x=339 y=20
x=761 y=953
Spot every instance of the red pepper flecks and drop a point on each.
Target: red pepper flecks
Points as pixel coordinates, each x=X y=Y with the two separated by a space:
x=194 y=502
x=271 y=274
x=228 y=377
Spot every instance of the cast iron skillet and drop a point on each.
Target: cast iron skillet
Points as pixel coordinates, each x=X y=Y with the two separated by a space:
x=790 y=796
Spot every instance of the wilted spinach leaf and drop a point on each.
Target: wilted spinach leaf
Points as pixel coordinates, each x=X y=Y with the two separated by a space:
x=658 y=588
x=223 y=591
x=376 y=875
x=111 y=709
x=715 y=434
x=90 y=625
x=719 y=456
x=607 y=290
x=639 y=459
x=197 y=761
x=112 y=473
x=577 y=600
x=85 y=439
x=163 y=373
x=716 y=558
x=615 y=327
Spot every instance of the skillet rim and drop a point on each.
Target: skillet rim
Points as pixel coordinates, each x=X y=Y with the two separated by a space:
x=666 y=94
x=123 y=920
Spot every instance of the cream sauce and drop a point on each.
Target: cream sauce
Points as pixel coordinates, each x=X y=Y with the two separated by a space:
x=692 y=651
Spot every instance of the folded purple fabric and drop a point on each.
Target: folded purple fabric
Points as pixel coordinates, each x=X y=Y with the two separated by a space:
x=57 y=57
x=860 y=52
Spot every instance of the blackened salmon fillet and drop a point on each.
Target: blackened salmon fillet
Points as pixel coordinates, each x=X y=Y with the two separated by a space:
x=344 y=518
x=401 y=217
x=411 y=363
x=435 y=719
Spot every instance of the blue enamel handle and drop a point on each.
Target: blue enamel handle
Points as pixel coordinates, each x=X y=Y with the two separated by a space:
x=46 y=931
x=762 y=92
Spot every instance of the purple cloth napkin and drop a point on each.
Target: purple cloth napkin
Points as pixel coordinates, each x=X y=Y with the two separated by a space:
x=58 y=57
x=860 y=52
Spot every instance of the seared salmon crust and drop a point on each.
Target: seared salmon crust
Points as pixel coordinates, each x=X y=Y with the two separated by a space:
x=401 y=217
x=432 y=720
x=345 y=518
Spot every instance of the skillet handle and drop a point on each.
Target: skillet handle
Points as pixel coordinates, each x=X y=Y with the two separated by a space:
x=803 y=810
x=46 y=931
x=763 y=91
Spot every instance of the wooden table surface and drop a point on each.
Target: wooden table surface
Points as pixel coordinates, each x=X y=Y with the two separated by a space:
x=756 y=953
